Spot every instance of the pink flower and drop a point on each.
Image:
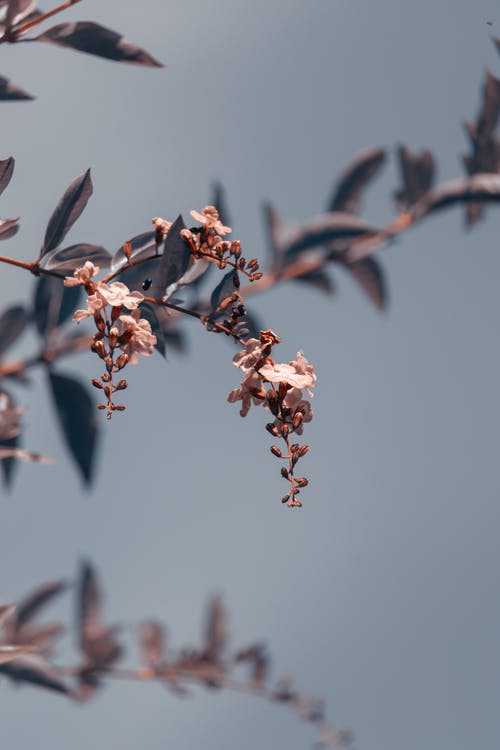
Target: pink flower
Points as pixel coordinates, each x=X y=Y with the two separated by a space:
x=82 y=275
x=115 y=294
x=161 y=225
x=248 y=357
x=249 y=390
x=210 y=218
x=135 y=336
x=298 y=373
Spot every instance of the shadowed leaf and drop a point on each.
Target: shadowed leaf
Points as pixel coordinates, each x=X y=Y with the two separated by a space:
x=479 y=187
x=54 y=303
x=34 y=669
x=12 y=323
x=353 y=180
x=219 y=202
x=318 y=279
x=8 y=228
x=67 y=212
x=75 y=256
x=10 y=92
x=370 y=276
x=90 y=37
x=272 y=226
x=224 y=289
x=323 y=230
x=174 y=261
x=97 y=641
x=76 y=411
x=6 y=170
x=142 y=246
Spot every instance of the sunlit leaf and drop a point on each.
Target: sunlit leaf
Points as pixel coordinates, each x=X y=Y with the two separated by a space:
x=67 y=259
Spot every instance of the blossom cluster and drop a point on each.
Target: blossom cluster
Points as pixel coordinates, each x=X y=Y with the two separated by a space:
x=126 y=331
x=277 y=387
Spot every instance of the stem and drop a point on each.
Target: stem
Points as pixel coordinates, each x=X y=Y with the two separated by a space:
x=30 y=24
x=19 y=263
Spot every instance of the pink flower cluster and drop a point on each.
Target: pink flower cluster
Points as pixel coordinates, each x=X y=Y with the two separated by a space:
x=259 y=368
x=133 y=333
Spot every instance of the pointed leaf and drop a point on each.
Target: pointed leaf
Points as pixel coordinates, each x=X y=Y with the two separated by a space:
x=6 y=171
x=67 y=211
x=323 y=230
x=353 y=180
x=319 y=279
x=97 y=641
x=479 y=187
x=54 y=303
x=37 y=599
x=417 y=174
x=216 y=630
x=219 y=202
x=75 y=256
x=10 y=92
x=224 y=289
x=90 y=37
x=174 y=261
x=371 y=278
x=12 y=323
x=76 y=411
x=34 y=669
x=8 y=228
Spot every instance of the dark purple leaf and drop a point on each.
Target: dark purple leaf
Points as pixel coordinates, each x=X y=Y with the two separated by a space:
x=174 y=262
x=219 y=202
x=67 y=212
x=54 y=303
x=6 y=170
x=370 y=276
x=77 y=413
x=224 y=289
x=479 y=187
x=97 y=641
x=417 y=174
x=319 y=279
x=67 y=259
x=252 y=324
x=272 y=226
x=10 y=92
x=34 y=669
x=12 y=323
x=353 y=180
x=42 y=595
x=152 y=644
x=8 y=228
x=90 y=37
x=323 y=230
x=142 y=247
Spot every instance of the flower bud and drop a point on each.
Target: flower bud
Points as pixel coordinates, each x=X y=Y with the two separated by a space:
x=276 y=451
x=121 y=361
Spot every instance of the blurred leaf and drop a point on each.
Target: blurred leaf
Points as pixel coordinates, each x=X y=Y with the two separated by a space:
x=272 y=226
x=54 y=303
x=67 y=211
x=8 y=653
x=97 y=641
x=12 y=323
x=479 y=187
x=10 y=92
x=371 y=278
x=219 y=202
x=323 y=230
x=8 y=463
x=75 y=256
x=417 y=174
x=216 y=630
x=174 y=261
x=318 y=279
x=90 y=37
x=6 y=170
x=38 y=598
x=353 y=180
x=77 y=413
x=34 y=669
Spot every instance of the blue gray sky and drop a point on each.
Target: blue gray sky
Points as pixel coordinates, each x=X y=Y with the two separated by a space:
x=382 y=593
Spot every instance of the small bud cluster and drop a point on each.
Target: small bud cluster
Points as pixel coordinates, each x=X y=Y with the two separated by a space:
x=278 y=387
x=207 y=242
x=120 y=337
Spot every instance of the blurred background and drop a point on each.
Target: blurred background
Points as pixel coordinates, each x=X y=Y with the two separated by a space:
x=381 y=594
